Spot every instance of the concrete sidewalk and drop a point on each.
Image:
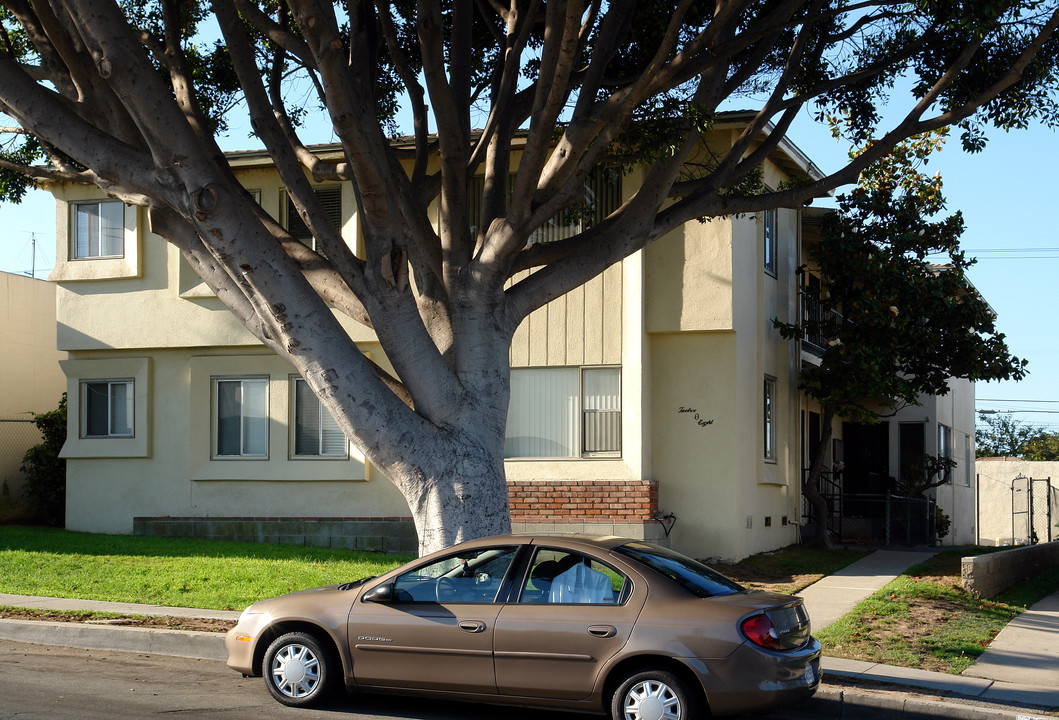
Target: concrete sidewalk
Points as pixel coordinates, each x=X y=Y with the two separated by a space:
x=1027 y=650
x=66 y=604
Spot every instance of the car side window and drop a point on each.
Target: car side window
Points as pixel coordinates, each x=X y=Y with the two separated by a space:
x=562 y=577
x=469 y=576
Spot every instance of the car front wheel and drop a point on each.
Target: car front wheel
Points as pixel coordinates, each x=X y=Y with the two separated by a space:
x=653 y=695
x=298 y=670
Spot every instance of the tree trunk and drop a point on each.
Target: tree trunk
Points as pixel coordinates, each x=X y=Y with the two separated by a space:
x=467 y=502
x=450 y=467
x=811 y=486
x=455 y=486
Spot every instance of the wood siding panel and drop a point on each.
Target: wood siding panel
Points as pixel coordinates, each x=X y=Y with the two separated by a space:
x=557 y=321
x=520 y=341
x=612 y=314
x=575 y=327
x=584 y=327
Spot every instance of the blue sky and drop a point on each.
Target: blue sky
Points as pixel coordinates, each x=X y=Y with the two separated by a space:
x=1002 y=192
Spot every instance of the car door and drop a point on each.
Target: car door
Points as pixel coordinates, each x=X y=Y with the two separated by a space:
x=435 y=629
x=572 y=614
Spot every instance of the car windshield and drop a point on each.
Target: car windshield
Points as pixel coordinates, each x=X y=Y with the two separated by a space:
x=690 y=574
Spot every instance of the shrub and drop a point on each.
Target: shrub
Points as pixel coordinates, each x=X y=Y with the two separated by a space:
x=45 y=471
x=942 y=522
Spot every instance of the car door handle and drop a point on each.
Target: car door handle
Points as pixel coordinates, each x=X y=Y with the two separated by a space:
x=602 y=631
x=472 y=626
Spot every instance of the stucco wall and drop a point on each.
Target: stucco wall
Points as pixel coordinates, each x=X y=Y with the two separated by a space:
x=711 y=344
x=995 y=477
x=31 y=381
x=708 y=452
x=175 y=475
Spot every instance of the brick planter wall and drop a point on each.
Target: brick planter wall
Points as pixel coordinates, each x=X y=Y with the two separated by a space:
x=583 y=500
x=603 y=507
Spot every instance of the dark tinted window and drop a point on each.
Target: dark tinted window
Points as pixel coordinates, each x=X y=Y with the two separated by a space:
x=690 y=574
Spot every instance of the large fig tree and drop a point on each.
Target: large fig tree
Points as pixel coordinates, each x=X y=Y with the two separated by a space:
x=128 y=97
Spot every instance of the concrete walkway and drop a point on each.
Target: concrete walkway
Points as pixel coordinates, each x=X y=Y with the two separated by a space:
x=835 y=595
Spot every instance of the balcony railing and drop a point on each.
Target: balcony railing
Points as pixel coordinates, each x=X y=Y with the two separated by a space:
x=815 y=316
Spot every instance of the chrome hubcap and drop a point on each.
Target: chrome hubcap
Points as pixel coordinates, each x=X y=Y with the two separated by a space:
x=295 y=671
x=652 y=700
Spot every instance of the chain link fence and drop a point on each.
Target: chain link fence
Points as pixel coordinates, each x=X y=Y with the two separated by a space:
x=1033 y=510
x=17 y=435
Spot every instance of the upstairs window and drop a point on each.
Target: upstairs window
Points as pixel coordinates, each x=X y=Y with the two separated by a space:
x=331 y=200
x=99 y=229
x=770 y=242
x=945 y=450
x=106 y=408
x=600 y=195
x=316 y=434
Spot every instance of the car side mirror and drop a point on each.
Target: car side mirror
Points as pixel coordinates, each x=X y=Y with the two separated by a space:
x=380 y=594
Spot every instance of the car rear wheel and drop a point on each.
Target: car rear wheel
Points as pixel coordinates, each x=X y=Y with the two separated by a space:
x=299 y=671
x=653 y=695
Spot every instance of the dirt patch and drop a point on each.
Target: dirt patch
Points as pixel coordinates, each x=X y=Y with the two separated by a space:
x=926 y=618
x=168 y=623
x=757 y=580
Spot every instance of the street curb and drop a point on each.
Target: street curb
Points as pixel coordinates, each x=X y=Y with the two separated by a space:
x=845 y=703
x=157 y=641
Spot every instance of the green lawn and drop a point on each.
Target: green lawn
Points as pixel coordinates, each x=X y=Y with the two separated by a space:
x=170 y=571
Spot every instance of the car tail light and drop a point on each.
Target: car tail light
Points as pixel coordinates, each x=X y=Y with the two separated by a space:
x=785 y=628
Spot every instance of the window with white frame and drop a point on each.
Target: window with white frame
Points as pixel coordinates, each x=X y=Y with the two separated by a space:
x=240 y=417
x=99 y=229
x=968 y=459
x=945 y=450
x=316 y=434
x=769 y=416
x=770 y=248
x=106 y=408
x=564 y=412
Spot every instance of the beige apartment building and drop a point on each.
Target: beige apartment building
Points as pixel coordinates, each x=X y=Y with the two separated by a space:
x=687 y=424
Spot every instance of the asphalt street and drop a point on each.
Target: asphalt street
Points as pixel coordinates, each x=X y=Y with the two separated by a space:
x=47 y=682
